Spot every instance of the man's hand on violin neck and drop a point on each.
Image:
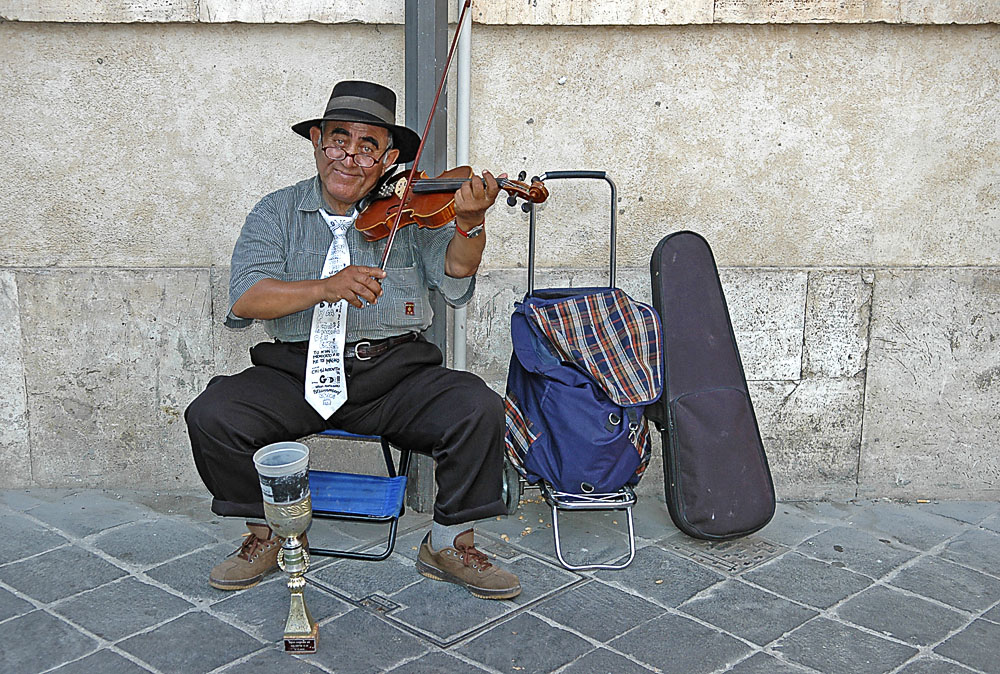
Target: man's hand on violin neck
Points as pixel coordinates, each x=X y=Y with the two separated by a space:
x=357 y=284
x=474 y=199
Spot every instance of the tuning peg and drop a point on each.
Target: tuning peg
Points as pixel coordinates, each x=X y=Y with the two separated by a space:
x=535 y=179
x=526 y=207
x=522 y=175
x=512 y=200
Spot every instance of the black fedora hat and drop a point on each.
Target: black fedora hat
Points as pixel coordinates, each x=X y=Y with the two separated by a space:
x=369 y=103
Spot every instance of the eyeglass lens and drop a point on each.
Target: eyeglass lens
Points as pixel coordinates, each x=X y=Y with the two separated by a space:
x=335 y=153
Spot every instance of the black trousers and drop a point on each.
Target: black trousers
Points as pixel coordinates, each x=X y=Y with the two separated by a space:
x=404 y=395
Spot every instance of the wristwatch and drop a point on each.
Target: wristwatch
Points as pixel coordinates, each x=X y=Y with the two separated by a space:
x=472 y=233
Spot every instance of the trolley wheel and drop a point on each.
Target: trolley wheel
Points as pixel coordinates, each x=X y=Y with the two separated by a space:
x=511 y=487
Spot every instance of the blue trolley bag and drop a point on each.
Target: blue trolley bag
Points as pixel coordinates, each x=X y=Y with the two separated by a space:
x=585 y=364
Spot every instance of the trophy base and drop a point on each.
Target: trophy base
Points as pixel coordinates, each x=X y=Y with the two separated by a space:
x=302 y=643
x=301 y=631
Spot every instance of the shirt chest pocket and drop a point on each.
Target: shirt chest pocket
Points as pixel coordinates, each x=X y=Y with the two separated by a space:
x=304 y=264
x=404 y=302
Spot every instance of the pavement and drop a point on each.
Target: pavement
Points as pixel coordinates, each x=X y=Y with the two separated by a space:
x=116 y=582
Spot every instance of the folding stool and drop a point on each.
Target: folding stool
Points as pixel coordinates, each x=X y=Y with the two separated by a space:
x=357 y=497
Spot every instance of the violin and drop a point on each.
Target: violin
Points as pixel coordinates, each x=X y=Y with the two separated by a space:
x=432 y=201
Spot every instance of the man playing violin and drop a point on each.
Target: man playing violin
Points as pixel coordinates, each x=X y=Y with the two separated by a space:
x=396 y=384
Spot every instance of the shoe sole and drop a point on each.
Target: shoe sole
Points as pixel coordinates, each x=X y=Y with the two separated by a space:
x=234 y=585
x=435 y=573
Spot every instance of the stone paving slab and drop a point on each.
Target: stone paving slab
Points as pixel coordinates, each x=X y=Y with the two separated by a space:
x=150 y=542
x=857 y=550
x=975 y=646
x=272 y=661
x=84 y=513
x=993 y=614
x=526 y=644
x=679 y=645
x=188 y=575
x=12 y=605
x=25 y=537
x=949 y=583
x=105 y=662
x=254 y=611
x=809 y=581
x=380 y=645
x=975 y=548
x=828 y=646
x=914 y=527
x=598 y=611
x=908 y=618
x=762 y=663
x=22 y=652
x=663 y=577
x=931 y=665
x=970 y=512
x=860 y=587
x=435 y=663
x=121 y=608
x=790 y=526
x=59 y=574
x=604 y=660
x=194 y=643
x=747 y=612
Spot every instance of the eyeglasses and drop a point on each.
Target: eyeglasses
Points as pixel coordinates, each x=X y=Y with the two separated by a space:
x=334 y=153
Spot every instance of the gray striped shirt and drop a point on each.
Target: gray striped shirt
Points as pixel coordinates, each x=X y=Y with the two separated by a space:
x=285 y=238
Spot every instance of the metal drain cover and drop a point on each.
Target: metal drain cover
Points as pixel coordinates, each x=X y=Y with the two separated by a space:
x=730 y=557
x=378 y=603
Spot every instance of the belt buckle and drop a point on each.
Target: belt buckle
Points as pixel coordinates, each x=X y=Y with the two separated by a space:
x=358 y=355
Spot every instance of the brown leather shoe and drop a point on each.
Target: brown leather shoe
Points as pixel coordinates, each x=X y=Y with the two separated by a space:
x=464 y=565
x=256 y=557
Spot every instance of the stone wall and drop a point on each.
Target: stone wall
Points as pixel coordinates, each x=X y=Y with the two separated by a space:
x=842 y=162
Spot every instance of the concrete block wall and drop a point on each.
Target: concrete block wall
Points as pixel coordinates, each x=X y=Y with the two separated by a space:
x=842 y=162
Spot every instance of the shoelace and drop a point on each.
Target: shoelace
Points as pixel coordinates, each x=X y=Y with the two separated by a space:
x=471 y=554
x=250 y=546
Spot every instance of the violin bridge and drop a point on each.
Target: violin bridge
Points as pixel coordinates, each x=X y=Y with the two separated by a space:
x=400 y=187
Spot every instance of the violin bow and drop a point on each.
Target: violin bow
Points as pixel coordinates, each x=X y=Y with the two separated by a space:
x=423 y=138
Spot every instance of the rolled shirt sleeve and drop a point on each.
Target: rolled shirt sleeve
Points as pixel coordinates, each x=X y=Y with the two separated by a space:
x=259 y=253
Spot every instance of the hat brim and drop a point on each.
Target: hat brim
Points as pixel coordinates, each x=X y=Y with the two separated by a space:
x=403 y=139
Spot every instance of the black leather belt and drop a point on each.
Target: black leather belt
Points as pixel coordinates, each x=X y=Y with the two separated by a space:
x=365 y=350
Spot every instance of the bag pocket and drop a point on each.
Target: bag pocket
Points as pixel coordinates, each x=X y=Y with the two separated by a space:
x=586 y=447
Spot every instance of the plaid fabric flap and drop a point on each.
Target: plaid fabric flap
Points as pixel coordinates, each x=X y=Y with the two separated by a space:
x=519 y=435
x=613 y=338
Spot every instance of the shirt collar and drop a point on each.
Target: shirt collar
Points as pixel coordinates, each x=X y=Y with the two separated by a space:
x=312 y=199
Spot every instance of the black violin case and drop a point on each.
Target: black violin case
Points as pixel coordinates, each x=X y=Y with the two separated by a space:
x=717 y=481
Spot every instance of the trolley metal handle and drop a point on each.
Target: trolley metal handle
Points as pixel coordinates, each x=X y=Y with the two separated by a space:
x=557 y=175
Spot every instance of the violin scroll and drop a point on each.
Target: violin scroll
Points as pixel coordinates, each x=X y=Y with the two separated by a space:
x=535 y=193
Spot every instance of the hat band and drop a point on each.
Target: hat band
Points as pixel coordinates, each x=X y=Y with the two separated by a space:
x=360 y=104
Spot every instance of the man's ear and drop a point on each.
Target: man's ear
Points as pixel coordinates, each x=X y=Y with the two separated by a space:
x=390 y=159
x=315 y=136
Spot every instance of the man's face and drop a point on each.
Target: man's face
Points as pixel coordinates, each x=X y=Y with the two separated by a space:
x=344 y=182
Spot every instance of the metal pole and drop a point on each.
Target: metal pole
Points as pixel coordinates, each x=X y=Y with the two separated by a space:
x=463 y=95
x=426 y=35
